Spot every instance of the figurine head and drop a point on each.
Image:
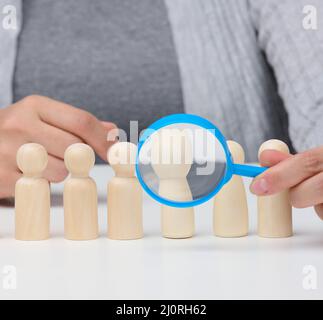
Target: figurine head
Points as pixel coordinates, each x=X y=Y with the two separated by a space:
x=122 y=158
x=273 y=145
x=171 y=153
x=236 y=151
x=32 y=159
x=79 y=159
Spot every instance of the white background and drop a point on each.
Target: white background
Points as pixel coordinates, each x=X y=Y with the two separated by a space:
x=204 y=267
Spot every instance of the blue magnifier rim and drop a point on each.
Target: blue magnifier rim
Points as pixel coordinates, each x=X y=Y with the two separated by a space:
x=189 y=119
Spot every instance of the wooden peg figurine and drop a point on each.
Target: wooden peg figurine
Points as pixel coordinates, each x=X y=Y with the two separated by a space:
x=124 y=194
x=275 y=211
x=32 y=194
x=230 y=213
x=80 y=194
x=172 y=158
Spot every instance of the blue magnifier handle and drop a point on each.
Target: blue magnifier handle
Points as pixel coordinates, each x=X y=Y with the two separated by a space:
x=248 y=171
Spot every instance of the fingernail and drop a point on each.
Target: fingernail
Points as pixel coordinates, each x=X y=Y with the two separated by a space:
x=259 y=187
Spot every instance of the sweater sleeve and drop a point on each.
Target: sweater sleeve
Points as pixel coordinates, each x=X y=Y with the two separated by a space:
x=8 y=44
x=295 y=53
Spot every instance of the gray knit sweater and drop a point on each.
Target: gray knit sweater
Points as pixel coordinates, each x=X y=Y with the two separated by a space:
x=247 y=65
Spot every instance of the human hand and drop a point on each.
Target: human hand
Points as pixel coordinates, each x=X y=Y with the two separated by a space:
x=301 y=173
x=54 y=125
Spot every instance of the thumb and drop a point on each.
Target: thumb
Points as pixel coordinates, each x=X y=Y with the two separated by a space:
x=269 y=158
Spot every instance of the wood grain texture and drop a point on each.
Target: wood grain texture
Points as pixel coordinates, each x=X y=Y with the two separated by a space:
x=176 y=223
x=32 y=209
x=124 y=209
x=80 y=209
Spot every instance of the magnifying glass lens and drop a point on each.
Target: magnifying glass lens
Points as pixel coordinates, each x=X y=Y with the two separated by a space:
x=181 y=164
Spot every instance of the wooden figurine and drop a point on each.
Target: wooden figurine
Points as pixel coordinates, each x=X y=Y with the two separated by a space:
x=172 y=158
x=275 y=211
x=80 y=194
x=230 y=213
x=32 y=194
x=124 y=199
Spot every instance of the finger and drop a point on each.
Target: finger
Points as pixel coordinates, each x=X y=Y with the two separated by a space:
x=308 y=193
x=108 y=125
x=269 y=158
x=76 y=121
x=56 y=170
x=289 y=173
x=319 y=210
x=55 y=140
x=113 y=131
x=7 y=188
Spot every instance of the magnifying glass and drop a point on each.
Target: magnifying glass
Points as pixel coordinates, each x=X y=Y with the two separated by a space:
x=183 y=160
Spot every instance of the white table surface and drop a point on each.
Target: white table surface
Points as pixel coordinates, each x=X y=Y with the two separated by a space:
x=204 y=267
